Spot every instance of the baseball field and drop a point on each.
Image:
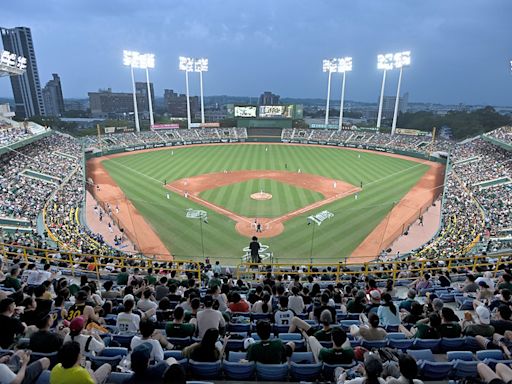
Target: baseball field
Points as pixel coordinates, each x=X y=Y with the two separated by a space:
x=220 y=179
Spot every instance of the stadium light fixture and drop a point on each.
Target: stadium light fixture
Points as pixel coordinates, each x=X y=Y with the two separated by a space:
x=132 y=59
x=384 y=62
x=186 y=64
x=344 y=66
x=329 y=66
x=401 y=60
x=201 y=65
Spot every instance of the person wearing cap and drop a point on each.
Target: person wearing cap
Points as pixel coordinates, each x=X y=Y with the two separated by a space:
x=374 y=303
x=371 y=370
x=487 y=277
x=69 y=370
x=481 y=325
x=80 y=308
x=10 y=326
x=43 y=340
x=143 y=372
x=89 y=341
x=340 y=353
x=209 y=318
x=369 y=330
x=268 y=351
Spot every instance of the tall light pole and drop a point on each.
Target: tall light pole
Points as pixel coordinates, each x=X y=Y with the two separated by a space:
x=401 y=60
x=187 y=65
x=132 y=59
x=329 y=66
x=384 y=62
x=201 y=65
x=148 y=61
x=344 y=66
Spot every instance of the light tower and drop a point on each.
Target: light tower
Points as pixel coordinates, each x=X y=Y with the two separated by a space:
x=148 y=61
x=330 y=66
x=401 y=60
x=132 y=59
x=201 y=65
x=384 y=62
x=187 y=64
x=344 y=66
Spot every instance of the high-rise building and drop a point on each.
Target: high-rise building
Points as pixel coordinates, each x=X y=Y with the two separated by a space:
x=268 y=98
x=176 y=104
x=106 y=103
x=141 y=90
x=26 y=88
x=52 y=96
x=388 y=105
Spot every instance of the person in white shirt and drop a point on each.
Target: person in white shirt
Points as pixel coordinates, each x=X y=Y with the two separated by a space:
x=126 y=320
x=372 y=370
x=217 y=268
x=146 y=303
x=263 y=305
x=147 y=328
x=487 y=277
x=295 y=301
x=88 y=343
x=283 y=316
x=209 y=318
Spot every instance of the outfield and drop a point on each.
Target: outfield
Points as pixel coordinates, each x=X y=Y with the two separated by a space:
x=141 y=176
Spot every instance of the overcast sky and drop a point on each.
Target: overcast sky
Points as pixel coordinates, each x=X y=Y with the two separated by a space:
x=460 y=48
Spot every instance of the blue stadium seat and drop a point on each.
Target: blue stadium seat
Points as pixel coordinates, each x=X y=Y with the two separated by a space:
x=302 y=357
x=235 y=345
x=402 y=344
x=44 y=378
x=464 y=304
x=51 y=356
x=421 y=354
x=433 y=370
x=278 y=329
x=111 y=319
x=464 y=369
x=305 y=372
x=235 y=357
x=118 y=377
x=180 y=342
x=369 y=344
x=432 y=344
x=205 y=370
x=353 y=316
x=260 y=316
x=114 y=351
x=391 y=328
x=328 y=369
x=452 y=344
x=326 y=344
x=239 y=371
x=272 y=372
x=471 y=344
x=496 y=354
x=123 y=340
x=239 y=327
x=459 y=355
x=98 y=361
x=345 y=324
x=492 y=362
x=447 y=297
x=396 y=336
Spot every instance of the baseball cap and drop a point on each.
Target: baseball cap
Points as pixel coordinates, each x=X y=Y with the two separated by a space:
x=128 y=297
x=77 y=324
x=141 y=354
x=483 y=284
x=437 y=304
x=248 y=342
x=326 y=316
x=483 y=314
x=375 y=295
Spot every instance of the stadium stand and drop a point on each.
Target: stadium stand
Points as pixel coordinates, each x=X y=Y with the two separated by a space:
x=64 y=292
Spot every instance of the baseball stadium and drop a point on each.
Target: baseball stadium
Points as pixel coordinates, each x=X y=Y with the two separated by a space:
x=259 y=247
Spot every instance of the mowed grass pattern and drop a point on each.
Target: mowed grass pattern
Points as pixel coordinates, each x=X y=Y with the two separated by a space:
x=285 y=198
x=386 y=180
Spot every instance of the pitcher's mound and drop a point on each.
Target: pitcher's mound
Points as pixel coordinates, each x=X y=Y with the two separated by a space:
x=261 y=196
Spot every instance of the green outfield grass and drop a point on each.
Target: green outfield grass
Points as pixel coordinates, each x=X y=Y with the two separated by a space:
x=285 y=198
x=385 y=180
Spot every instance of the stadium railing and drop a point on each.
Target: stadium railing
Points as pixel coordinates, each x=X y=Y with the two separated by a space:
x=76 y=264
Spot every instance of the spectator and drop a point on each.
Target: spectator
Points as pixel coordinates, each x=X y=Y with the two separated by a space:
x=25 y=373
x=177 y=328
x=502 y=322
x=268 y=351
x=127 y=321
x=68 y=370
x=450 y=326
x=143 y=373
x=503 y=373
x=416 y=314
x=209 y=318
x=369 y=330
x=411 y=297
x=262 y=306
x=372 y=370
x=487 y=278
x=80 y=308
x=220 y=297
x=174 y=374
x=238 y=304
x=122 y=277
x=374 y=304
x=470 y=285
x=10 y=326
x=88 y=341
x=12 y=280
x=295 y=301
x=147 y=328
x=340 y=353
x=323 y=334
x=357 y=304
x=479 y=326
x=43 y=340
x=147 y=302
x=161 y=289
x=485 y=293
x=324 y=305
x=424 y=330
x=208 y=349
x=388 y=312
x=408 y=371
x=284 y=315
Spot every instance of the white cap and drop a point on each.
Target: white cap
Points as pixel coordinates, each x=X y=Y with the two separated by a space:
x=248 y=342
x=128 y=297
x=483 y=314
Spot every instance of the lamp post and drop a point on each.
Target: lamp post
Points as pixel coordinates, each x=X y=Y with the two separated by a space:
x=132 y=59
x=344 y=66
x=201 y=65
x=329 y=65
x=401 y=59
x=384 y=62
x=187 y=64
x=148 y=61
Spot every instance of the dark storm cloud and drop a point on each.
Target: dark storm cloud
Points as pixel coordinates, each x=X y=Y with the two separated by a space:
x=460 y=48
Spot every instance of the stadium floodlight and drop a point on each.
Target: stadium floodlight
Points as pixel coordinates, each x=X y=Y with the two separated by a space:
x=329 y=66
x=201 y=65
x=186 y=64
x=132 y=59
x=384 y=62
x=401 y=60
x=12 y=64
x=344 y=66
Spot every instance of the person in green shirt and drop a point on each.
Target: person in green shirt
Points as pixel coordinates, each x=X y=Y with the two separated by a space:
x=269 y=351
x=421 y=330
x=340 y=353
x=450 y=326
x=69 y=369
x=12 y=281
x=178 y=328
x=122 y=277
x=505 y=282
x=150 y=277
x=215 y=281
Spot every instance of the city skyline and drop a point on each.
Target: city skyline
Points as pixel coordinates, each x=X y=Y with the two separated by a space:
x=460 y=51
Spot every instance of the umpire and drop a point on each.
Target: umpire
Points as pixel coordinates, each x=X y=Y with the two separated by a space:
x=254 y=246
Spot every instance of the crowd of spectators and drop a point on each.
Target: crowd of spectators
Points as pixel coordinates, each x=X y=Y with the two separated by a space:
x=503 y=134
